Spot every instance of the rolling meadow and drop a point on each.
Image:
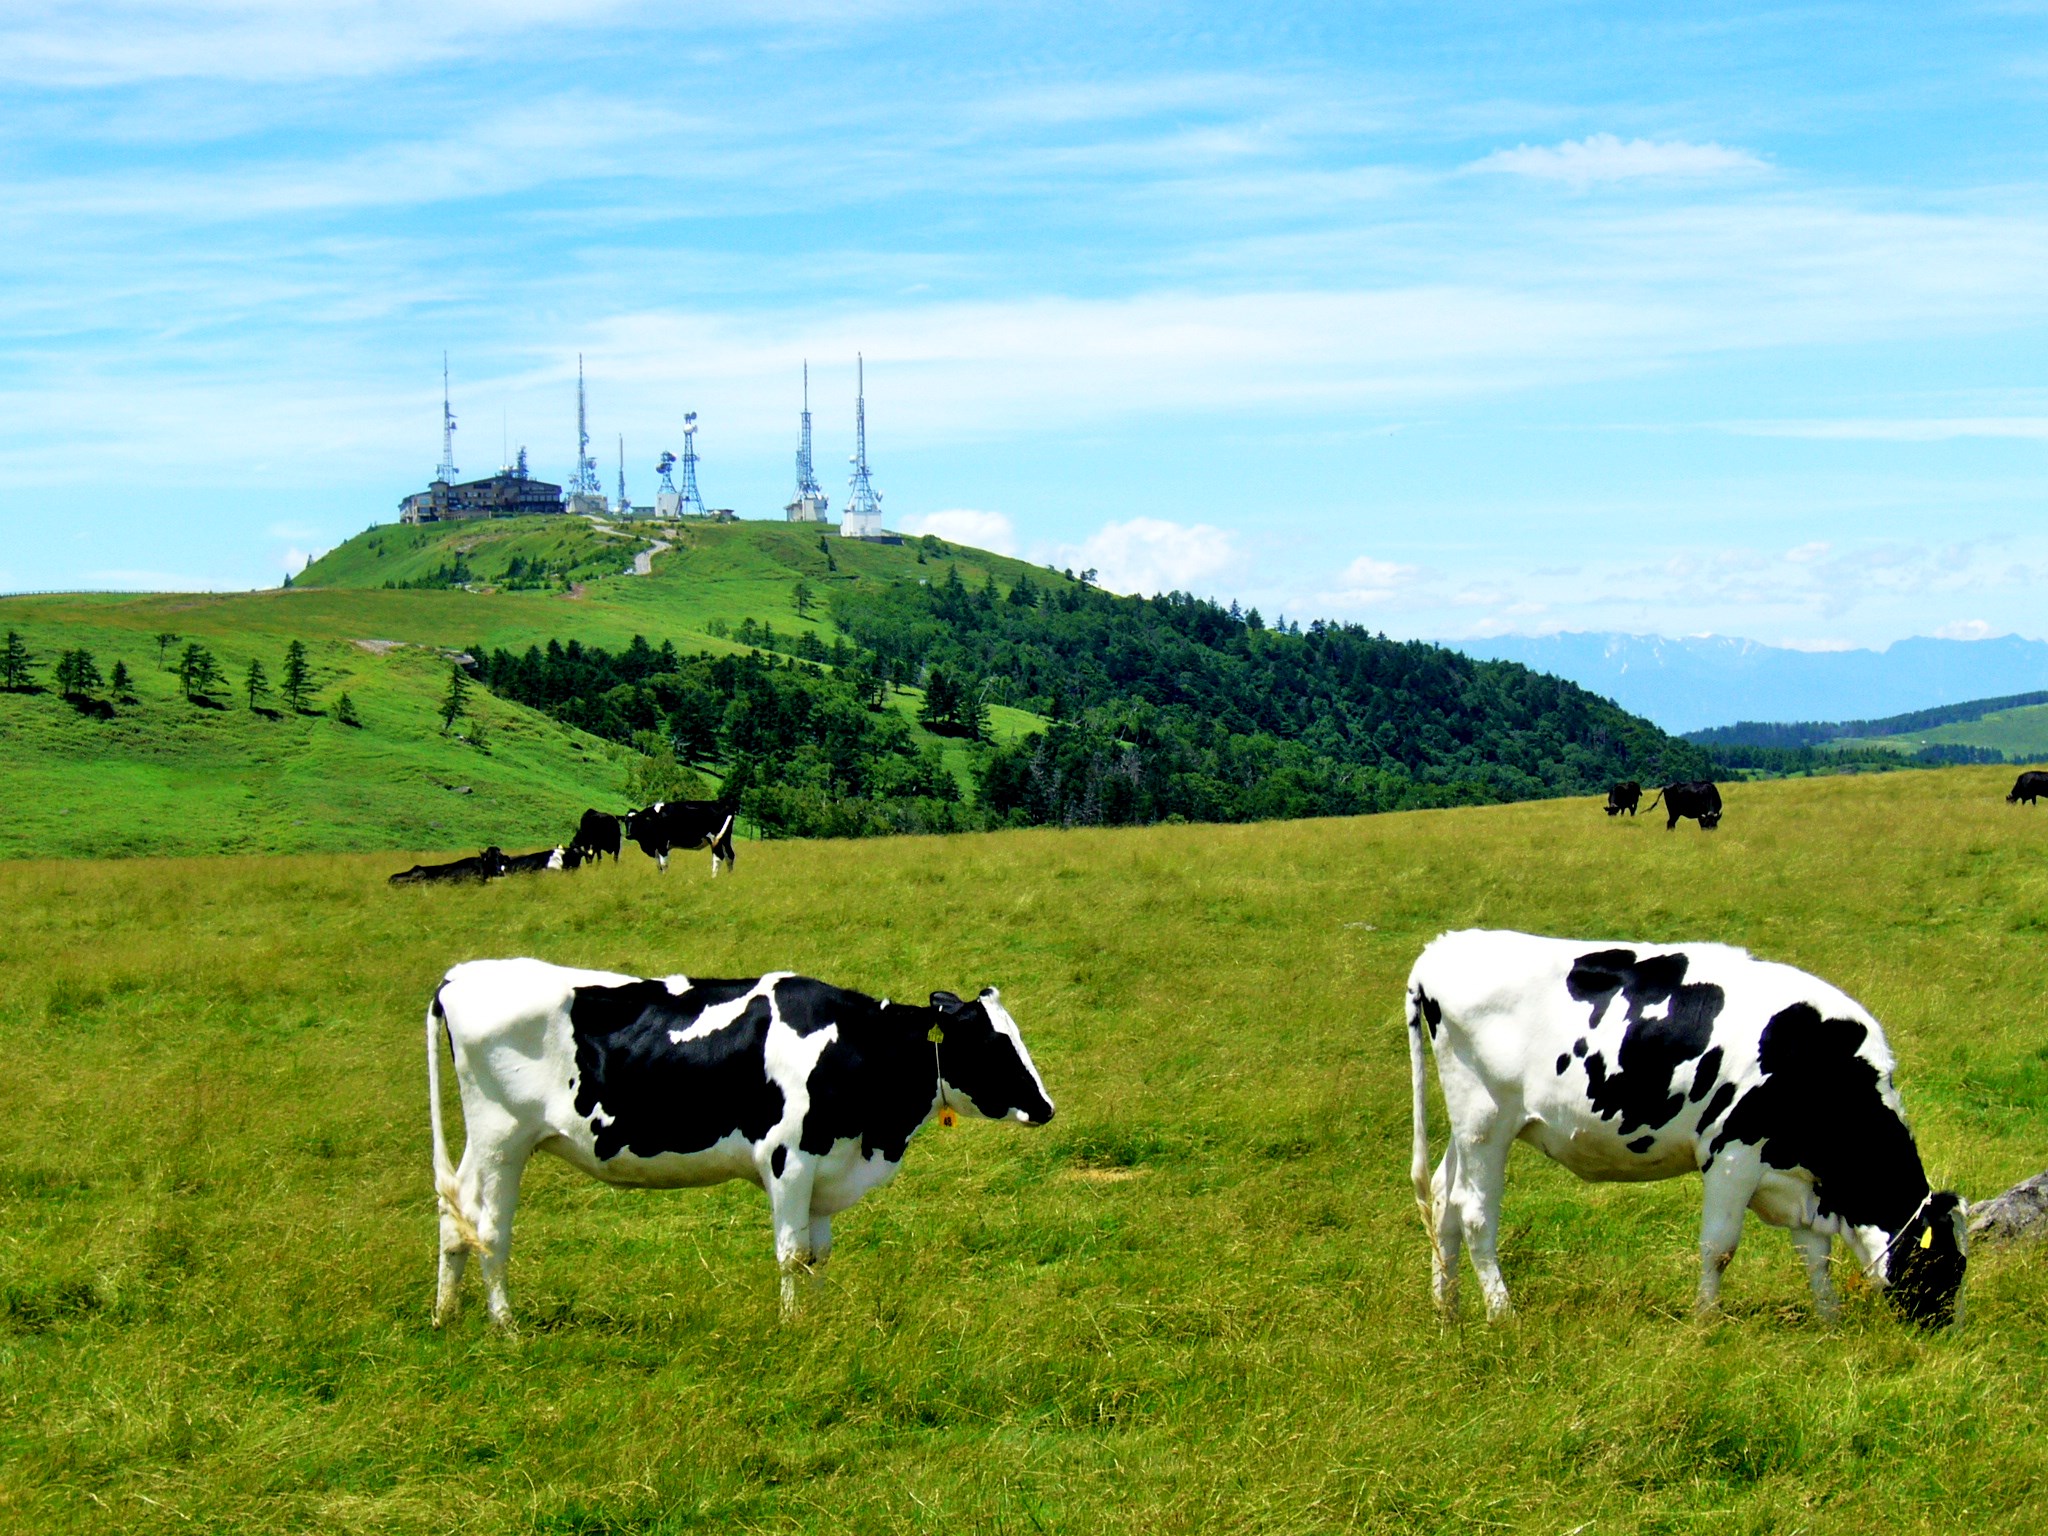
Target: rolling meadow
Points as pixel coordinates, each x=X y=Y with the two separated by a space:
x=1196 y=1300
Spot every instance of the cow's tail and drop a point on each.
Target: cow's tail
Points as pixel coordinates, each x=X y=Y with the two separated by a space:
x=721 y=845
x=446 y=1190
x=1653 y=802
x=1418 y=1162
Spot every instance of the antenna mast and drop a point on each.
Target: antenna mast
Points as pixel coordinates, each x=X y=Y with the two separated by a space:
x=863 y=518
x=624 y=505
x=585 y=481
x=810 y=503
x=446 y=471
x=688 y=502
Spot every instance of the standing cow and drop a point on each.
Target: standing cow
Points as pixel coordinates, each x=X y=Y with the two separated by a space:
x=2028 y=787
x=667 y=825
x=1646 y=1061
x=1698 y=798
x=1624 y=797
x=810 y=1091
x=596 y=835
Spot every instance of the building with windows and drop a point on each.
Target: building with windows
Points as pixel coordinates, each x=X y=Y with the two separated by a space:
x=511 y=492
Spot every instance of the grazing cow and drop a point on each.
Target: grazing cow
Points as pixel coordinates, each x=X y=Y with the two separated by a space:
x=558 y=857
x=1694 y=797
x=488 y=865
x=686 y=824
x=597 y=834
x=1646 y=1061
x=1624 y=796
x=810 y=1091
x=2028 y=787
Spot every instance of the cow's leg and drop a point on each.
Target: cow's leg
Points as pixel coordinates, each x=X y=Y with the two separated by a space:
x=1447 y=1233
x=821 y=1243
x=1481 y=1180
x=661 y=861
x=789 y=1199
x=454 y=1259
x=1814 y=1248
x=1731 y=1183
x=497 y=1197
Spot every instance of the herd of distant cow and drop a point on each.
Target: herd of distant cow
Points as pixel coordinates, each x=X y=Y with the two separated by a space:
x=659 y=829
x=1668 y=1059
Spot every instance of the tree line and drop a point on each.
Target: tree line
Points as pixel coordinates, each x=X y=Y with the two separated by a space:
x=78 y=678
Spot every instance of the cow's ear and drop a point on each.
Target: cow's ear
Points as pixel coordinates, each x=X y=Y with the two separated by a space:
x=946 y=1002
x=990 y=995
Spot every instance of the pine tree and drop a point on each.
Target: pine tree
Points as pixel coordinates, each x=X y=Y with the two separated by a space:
x=198 y=672
x=78 y=676
x=345 y=712
x=455 y=703
x=296 y=680
x=257 y=683
x=15 y=661
x=803 y=597
x=122 y=685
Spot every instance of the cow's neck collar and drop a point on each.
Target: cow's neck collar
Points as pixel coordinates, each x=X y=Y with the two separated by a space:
x=1884 y=1261
x=937 y=1034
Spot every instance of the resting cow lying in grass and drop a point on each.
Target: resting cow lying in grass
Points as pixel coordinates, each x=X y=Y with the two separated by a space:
x=810 y=1091
x=1646 y=1061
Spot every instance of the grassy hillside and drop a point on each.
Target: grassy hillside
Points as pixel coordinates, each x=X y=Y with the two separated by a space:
x=1196 y=1301
x=2021 y=734
x=164 y=777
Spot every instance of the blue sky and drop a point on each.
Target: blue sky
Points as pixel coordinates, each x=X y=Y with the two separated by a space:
x=1453 y=320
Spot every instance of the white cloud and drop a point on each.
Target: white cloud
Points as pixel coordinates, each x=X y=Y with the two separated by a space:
x=1964 y=629
x=1930 y=429
x=964 y=525
x=1366 y=583
x=1605 y=157
x=1149 y=554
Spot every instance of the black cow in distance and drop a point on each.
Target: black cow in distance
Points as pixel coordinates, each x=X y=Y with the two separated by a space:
x=2029 y=787
x=596 y=835
x=488 y=865
x=1624 y=796
x=667 y=825
x=1697 y=798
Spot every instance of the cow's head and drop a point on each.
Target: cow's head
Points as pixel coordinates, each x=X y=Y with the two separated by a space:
x=1709 y=820
x=983 y=1060
x=1925 y=1260
x=492 y=862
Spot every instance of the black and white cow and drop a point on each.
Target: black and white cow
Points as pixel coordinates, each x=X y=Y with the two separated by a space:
x=1646 y=1061
x=2028 y=787
x=670 y=824
x=1698 y=798
x=597 y=834
x=488 y=865
x=558 y=857
x=1624 y=796
x=808 y=1090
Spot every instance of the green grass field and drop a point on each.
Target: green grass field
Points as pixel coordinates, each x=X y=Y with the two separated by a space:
x=166 y=777
x=1196 y=1301
x=2021 y=734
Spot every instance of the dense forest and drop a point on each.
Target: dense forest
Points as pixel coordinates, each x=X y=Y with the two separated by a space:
x=1158 y=708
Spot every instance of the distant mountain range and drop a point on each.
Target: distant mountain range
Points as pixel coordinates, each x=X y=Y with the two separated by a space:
x=1710 y=680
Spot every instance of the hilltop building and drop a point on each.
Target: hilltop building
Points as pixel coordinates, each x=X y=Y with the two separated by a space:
x=511 y=492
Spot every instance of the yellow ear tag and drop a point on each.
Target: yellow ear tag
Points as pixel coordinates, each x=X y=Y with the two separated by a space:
x=936 y=1035
x=1927 y=1238
x=948 y=1119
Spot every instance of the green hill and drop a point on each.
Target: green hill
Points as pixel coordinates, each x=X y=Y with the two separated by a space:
x=2014 y=726
x=837 y=686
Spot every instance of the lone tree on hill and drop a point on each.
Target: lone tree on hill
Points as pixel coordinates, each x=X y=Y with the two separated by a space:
x=296 y=680
x=198 y=672
x=121 y=684
x=78 y=675
x=455 y=703
x=165 y=639
x=15 y=661
x=345 y=712
x=257 y=683
x=803 y=597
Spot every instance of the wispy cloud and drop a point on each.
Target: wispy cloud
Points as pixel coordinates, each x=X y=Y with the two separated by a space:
x=1149 y=554
x=962 y=525
x=1924 y=429
x=1604 y=157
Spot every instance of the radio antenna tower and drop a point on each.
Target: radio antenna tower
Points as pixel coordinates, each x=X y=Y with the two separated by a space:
x=585 y=481
x=810 y=503
x=446 y=471
x=662 y=467
x=688 y=502
x=863 y=518
x=624 y=505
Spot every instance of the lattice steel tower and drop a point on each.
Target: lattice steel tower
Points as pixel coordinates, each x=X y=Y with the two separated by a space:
x=688 y=502
x=863 y=518
x=446 y=470
x=584 y=482
x=810 y=503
